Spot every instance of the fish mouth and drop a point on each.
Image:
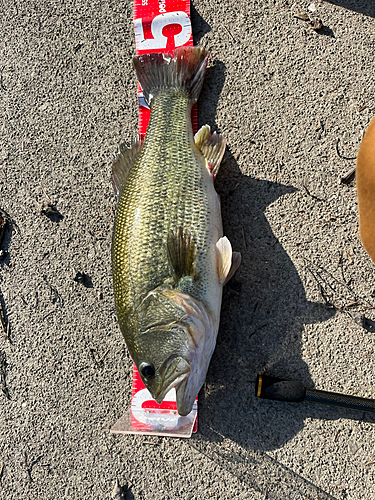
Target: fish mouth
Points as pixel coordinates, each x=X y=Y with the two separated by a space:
x=177 y=370
x=185 y=401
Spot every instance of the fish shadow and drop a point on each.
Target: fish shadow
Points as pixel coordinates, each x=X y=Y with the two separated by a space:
x=263 y=315
x=201 y=27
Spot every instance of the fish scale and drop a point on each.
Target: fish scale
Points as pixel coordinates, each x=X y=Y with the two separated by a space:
x=169 y=187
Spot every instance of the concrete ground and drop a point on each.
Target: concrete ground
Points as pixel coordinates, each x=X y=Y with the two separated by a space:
x=293 y=103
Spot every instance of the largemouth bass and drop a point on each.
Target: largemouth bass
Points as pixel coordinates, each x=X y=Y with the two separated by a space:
x=170 y=259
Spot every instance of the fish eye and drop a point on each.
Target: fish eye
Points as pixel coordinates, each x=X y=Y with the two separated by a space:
x=147 y=370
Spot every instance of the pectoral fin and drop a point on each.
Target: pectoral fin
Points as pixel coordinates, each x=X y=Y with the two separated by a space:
x=182 y=253
x=236 y=261
x=122 y=164
x=212 y=147
x=227 y=261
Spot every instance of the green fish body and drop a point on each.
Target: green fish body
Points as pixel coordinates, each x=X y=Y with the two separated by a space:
x=169 y=257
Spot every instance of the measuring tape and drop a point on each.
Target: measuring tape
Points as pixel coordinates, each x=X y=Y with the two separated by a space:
x=160 y=26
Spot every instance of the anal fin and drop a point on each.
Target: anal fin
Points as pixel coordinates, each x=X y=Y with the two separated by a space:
x=212 y=147
x=182 y=253
x=122 y=164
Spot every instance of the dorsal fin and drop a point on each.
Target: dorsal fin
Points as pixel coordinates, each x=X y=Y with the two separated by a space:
x=122 y=164
x=212 y=147
x=365 y=177
x=182 y=253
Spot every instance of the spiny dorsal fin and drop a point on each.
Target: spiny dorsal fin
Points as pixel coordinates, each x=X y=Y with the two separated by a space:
x=182 y=253
x=365 y=177
x=212 y=147
x=122 y=164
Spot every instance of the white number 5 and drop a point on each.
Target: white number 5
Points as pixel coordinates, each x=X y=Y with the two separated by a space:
x=158 y=23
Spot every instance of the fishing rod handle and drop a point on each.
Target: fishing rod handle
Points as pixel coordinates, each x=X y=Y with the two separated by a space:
x=291 y=391
x=342 y=400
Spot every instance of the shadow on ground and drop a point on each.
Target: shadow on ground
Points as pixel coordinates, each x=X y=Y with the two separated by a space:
x=6 y=232
x=366 y=7
x=263 y=314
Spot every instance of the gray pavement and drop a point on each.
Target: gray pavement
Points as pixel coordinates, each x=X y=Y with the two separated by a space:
x=293 y=104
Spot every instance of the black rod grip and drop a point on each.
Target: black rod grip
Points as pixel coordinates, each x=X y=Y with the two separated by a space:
x=334 y=399
x=294 y=392
x=281 y=390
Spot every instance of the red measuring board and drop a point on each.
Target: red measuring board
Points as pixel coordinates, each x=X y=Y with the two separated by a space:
x=160 y=26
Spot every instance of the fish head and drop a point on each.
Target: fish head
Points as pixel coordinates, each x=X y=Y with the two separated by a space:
x=177 y=353
x=161 y=359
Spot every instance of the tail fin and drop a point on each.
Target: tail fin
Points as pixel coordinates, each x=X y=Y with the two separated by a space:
x=184 y=70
